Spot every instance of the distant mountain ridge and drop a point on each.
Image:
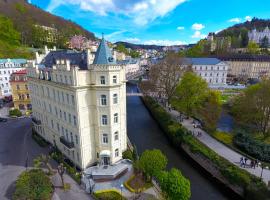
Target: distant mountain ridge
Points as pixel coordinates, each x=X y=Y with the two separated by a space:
x=24 y=16
x=139 y=46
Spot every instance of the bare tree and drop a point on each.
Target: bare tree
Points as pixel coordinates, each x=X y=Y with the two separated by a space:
x=164 y=77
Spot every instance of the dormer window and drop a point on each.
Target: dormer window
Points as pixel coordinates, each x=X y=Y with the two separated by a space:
x=102 y=80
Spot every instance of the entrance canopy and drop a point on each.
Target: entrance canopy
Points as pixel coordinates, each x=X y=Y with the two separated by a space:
x=105 y=153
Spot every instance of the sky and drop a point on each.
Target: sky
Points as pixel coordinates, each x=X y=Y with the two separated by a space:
x=161 y=22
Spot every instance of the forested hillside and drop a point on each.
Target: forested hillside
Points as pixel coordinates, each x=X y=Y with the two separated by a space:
x=27 y=21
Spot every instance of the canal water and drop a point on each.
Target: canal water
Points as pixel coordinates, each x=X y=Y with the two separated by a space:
x=145 y=133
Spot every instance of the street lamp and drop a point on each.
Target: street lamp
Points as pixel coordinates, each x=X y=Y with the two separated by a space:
x=121 y=190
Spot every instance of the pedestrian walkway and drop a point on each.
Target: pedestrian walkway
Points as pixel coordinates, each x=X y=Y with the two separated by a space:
x=221 y=149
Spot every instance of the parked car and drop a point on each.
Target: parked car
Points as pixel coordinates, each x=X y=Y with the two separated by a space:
x=3 y=119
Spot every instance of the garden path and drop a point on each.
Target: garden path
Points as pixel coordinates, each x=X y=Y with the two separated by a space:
x=219 y=148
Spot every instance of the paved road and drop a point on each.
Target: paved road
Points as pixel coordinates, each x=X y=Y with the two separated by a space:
x=16 y=145
x=222 y=149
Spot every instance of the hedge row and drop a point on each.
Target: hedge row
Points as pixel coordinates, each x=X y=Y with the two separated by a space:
x=252 y=147
x=180 y=135
x=41 y=142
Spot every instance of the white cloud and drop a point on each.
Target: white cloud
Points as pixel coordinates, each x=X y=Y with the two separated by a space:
x=132 y=40
x=164 y=42
x=248 y=18
x=180 y=28
x=235 y=20
x=197 y=27
x=140 y=12
x=198 y=35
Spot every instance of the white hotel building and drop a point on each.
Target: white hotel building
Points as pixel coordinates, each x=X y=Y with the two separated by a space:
x=212 y=70
x=79 y=104
x=7 y=67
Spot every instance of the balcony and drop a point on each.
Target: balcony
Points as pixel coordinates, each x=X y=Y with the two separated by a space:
x=36 y=121
x=68 y=144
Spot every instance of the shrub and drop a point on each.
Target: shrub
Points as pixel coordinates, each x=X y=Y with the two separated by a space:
x=15 y=112
x=127 y=155
x=108 y=195
x=41 y=142
x=252 y=147
x=33 y=184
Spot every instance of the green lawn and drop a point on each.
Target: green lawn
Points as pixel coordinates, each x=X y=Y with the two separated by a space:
x=226 y=138
x=108 y=195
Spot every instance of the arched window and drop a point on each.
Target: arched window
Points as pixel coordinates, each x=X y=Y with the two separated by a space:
x=103 y=100
x=116 y=136
x=116 y=152
x=102 y=80
x=115 y=118
x=115 y=99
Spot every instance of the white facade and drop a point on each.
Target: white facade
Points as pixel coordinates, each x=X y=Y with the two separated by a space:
x=257 y=36
x=7 y=67
x=212 y=70
x=212 y=74
x=82 y=112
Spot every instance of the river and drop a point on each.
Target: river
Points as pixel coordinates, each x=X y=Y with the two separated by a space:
x=145 y=133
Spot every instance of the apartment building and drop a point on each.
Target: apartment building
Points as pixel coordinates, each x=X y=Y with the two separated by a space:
x=248 y=66
x=212 y=70
x=79 y=104
x=7 y=67
x=20 y=92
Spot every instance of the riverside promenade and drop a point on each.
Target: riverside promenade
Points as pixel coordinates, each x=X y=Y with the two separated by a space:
x=221 y=149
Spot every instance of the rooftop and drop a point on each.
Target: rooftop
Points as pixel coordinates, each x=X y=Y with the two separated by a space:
x=75 y=58
x=103 y=54
x=20 y=72
x=245 y=57
x=202 y=61
x=18 y=61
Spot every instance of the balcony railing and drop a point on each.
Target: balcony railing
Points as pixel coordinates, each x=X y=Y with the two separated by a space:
x=36 y=121
x=68 y=144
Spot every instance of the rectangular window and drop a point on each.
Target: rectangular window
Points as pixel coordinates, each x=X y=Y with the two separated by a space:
x=60 y=112
x=72 y=99
x=76 y=138
x=114 y=79
x=115 y=99
x=56 y=112
x=71 y=136
x=104 y=120
x=65 y=116
x=63 y=99
x=116 y=136
x=52 y=125
x=115 y=118
x=67 y=96
x=105 y=139
x=102 y=80
x=103 y=100
x=58 y=127
x=75 y=120
x=67 y=138
x=69 y=118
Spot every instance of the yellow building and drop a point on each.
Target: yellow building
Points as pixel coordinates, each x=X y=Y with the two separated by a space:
x=20 y=92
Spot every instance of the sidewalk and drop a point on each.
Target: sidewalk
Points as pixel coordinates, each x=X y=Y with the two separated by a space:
x=75 y=192
x=221 y=149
